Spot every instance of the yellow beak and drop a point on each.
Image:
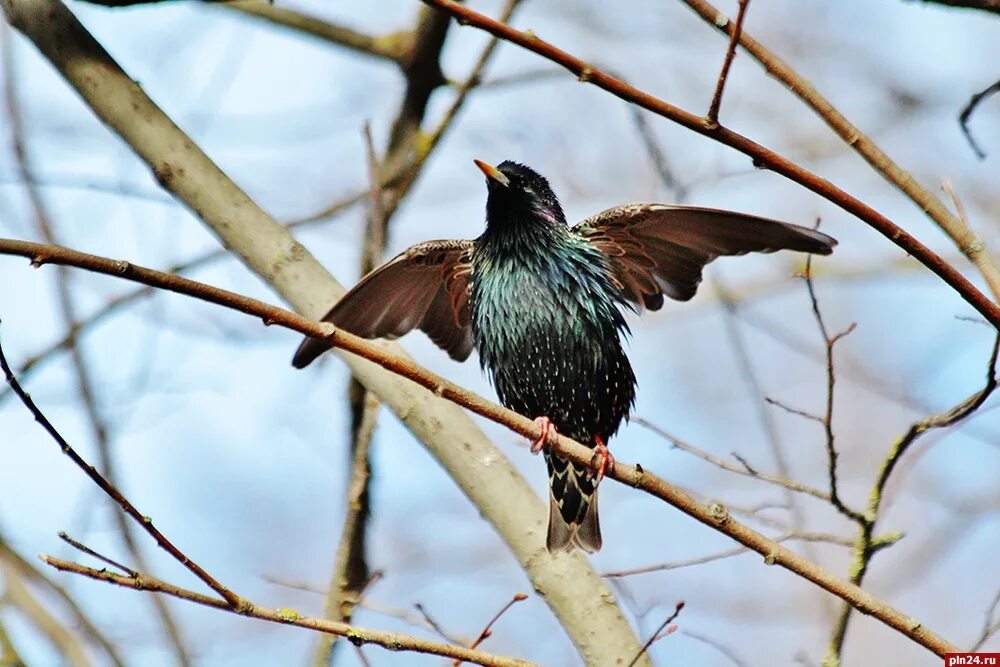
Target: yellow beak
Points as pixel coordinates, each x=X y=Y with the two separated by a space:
x=492 y=173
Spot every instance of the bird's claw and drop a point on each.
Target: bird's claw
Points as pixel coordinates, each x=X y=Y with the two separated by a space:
x=602 y=461
x=548 y=434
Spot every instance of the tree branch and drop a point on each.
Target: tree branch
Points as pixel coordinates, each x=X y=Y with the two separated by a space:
x=966 y=114
x=954 y=227
x=393 y=46
x=984 y=5
x=394 y=641
x=715 y=515
x=713 y=108
x=762 y=156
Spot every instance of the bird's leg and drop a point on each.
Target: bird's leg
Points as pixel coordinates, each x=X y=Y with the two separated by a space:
x=547 y=437
x=602 y=460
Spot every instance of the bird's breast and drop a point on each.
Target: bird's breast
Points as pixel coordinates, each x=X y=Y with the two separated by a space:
x=550 y=340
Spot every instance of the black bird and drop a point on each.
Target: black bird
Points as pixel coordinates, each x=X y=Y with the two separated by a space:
x=542 y=303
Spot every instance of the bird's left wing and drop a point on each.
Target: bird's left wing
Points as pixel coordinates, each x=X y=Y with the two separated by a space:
x=654 y=249
x=425 y=287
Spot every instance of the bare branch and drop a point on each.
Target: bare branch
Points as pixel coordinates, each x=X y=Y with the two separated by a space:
x=991 y=625
x=970 y=107
x=488 y=629
x=734 y=38
x=657 y=635
x=744 y=470
x=871 y=153
x=146 y=522
x=761 y=155
x=866 y=546
x=718 y=646
x=728 y=553
x=715 y=515
x=392 y=47
x=984 y=5
x=831 y=380
x=394 y=641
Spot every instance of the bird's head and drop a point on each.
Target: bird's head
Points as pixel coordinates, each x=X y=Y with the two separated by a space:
x=518 y=193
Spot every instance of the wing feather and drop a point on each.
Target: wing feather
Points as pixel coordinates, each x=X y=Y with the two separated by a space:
x=425 y=287
x=656 y=250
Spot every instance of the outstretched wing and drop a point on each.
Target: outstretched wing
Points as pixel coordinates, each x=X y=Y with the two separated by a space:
x=654 y=249
x=425 y=287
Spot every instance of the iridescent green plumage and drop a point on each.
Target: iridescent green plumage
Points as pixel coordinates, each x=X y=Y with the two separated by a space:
x=542 y=303
x=547 y=325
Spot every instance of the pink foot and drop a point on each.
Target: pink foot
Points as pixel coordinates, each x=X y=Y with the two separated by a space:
x=602 y=460
x=547 y=437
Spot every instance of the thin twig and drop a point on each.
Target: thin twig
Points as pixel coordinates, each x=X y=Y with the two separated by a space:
x=991 y=625
x=394 y=641
x=728 y=553
x=393 y=47
x=734 y=39
x=146 y=522
x=667 y=177
x=657 y=635
x=831 y=381
x=795 y=411
x=488 y=629
x=966 y=114
x=744 y=470
x=80 y=546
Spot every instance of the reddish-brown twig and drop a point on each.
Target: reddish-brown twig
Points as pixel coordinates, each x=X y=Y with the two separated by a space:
x=488 y=629
x=659 y=634
x=734 y=39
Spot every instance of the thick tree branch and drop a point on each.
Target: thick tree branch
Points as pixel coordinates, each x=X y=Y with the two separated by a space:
x=762 y=156
x=715 y=515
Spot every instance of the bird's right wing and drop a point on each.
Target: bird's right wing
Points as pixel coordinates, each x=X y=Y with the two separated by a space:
x=656 y=250
x=425 y=287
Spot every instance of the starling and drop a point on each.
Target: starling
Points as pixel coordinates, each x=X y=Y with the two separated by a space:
x=542 y=303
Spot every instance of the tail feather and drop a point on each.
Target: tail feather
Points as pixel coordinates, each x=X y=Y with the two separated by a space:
x=573 y=519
